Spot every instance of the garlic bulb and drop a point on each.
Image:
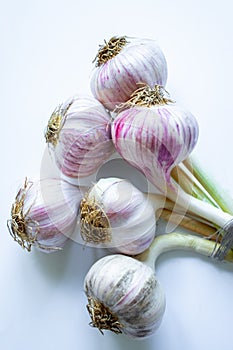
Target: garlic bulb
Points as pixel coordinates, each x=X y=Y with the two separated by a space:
x=115 y=214
x=123 y=293
x=152 y=136
x=124 y=296
x=78 y=133
x=123 y=63
x=44 y=214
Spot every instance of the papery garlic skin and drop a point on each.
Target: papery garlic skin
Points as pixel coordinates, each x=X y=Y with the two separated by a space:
x=128 y=217
x=44 y=214
x=129 y=291
x=154 y=139
x=83 y=140
x=139 y=61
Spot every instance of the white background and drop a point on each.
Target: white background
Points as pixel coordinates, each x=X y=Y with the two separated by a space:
x=47 y=48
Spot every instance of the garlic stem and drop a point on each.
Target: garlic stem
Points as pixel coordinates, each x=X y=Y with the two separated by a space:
x=178 y=241
x=223 y=221
x=161 y=203
x=220 y=196
x=185 y=178
x=198 y=207
x=188 y=223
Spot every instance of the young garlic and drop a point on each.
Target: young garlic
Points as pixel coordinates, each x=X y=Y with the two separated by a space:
x=121 y=64
x=154 y=136
x=124 y=295
x=44 y=214
x=115 y=214
x=79 y=136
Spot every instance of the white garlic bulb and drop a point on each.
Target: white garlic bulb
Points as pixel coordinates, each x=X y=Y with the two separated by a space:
x=122 y=64
x=115 y=214
x=124 y=296
x=123 y=293
x=79 y=136
x=44 y=214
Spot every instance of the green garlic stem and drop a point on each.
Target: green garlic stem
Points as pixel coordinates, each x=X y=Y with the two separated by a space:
x=178 y=241
x=185 y=178
x=220 y=196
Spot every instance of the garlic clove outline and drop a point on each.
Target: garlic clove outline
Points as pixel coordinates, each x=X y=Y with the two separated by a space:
x=79 y=136
x=44 y=214
x=121 y=64
x=114 y=214
x=124 y=296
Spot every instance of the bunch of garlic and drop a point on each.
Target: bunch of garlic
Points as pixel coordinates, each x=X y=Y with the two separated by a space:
x=154 y=135
x=127 y=113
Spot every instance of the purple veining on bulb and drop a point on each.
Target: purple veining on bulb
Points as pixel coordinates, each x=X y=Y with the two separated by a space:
x=164 y=156
x=136 y=246
x=140 y=61
x=155 y=139
x=85 y=138
x=131 y=216
x=133 y=291
x=51 y=207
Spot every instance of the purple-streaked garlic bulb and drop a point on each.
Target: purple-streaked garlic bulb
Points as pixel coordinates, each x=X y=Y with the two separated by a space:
x=122 y=64
x=79 y=136
x=44 y=214
x=114 y=214
x=124 y=296
x=154 y=135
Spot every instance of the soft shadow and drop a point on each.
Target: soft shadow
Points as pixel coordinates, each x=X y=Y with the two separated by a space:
x=172 y=255
x=125 y=342
x=72 y=262
x=118 y=167
x=53 y=264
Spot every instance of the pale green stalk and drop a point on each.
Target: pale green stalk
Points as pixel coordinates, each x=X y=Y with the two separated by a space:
x=184 y=176
x=178 y=241
x=220 y=196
